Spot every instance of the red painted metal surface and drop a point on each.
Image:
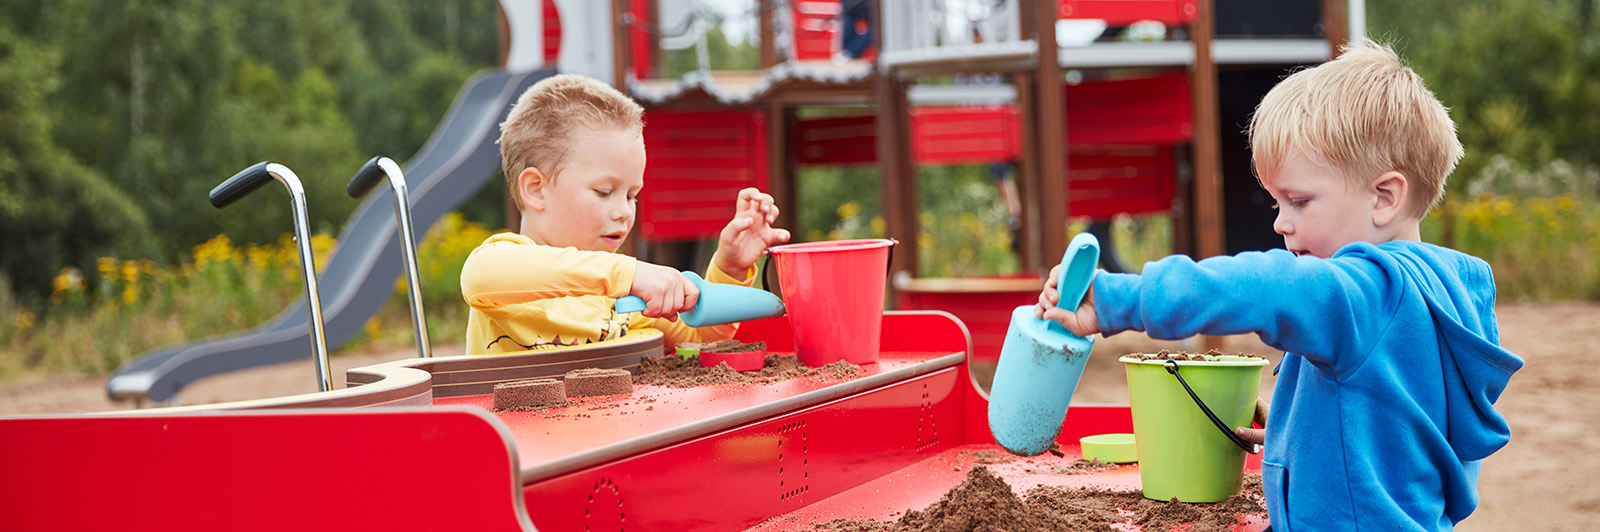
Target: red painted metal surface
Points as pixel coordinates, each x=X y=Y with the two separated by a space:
x=723 y=457
x=986 y=313
x=739 y=477
x=1125 y=12
x=698 y=161
x=1145 y=110
x=887 y=497
x=405 y=469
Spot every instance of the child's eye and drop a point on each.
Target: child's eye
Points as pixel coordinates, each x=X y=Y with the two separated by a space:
x=1298 y=203
x=602 y=193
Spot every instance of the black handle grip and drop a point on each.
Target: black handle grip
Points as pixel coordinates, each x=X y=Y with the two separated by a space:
x=1172 y=367
x=240 y=185
x=365 y=178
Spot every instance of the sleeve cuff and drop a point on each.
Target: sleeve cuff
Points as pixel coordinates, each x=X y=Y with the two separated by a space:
x=716 y=275
x=622 y=276
x=1116 y=302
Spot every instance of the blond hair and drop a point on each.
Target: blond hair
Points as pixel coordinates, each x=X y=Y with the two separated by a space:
x=1364 y=113
x=550 y=117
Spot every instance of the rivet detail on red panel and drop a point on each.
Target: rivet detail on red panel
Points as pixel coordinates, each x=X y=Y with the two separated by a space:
x=793 y=475
x=927 y=425
x=600 y=506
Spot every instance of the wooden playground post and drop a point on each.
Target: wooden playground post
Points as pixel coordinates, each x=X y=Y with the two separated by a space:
x=899 y=178
x=1027 y=174
x=1052 y=146
x=619 y=45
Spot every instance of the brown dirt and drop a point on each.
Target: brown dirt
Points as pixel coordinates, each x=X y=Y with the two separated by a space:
x=986 y=502
x=591 y=382
x=678 y=372
x=524 y=395
x=1542 y=481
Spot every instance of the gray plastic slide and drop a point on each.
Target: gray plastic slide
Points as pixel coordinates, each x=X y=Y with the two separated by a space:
x=456 y=162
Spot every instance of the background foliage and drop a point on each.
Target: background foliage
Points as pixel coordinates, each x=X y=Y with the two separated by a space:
x=122 y=115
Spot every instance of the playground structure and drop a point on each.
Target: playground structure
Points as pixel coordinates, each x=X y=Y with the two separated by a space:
x=411 y=442
x=1142 y=130
x=1096 y=126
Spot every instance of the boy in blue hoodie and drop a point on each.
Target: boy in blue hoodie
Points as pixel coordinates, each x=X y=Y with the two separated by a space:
x=1384 y=405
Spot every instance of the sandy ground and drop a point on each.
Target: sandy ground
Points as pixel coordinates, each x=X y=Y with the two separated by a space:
x=1543 y=480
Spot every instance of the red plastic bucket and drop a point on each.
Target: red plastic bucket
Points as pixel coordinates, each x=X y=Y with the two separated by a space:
x=833 y=292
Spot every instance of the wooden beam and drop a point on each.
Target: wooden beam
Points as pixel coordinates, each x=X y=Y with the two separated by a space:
x=1052 y=136
x=1028 y=173
x=1335 y=26
x=504 y=38
x=1207 y=138
x=619 y=45
x=1207 y=156
x=898 y=176
x=769 y=49
x=780 y=166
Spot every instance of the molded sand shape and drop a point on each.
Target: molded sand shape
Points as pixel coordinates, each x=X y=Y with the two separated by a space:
x=592 y=381
x=528 y=394
x=738 y=355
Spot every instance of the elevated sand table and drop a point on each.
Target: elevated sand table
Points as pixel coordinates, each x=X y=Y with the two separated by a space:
x=591 y=382
x=529 y=394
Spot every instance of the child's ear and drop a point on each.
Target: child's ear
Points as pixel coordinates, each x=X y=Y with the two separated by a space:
x=530 y=188
x=1389 y=197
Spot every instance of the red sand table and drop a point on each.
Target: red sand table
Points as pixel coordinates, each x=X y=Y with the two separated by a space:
x=723 y=457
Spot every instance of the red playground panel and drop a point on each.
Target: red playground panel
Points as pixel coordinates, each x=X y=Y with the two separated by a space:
x=735 y=456
x=816 y=29
x=948 y=136
x=439 y=468
x=698 y=162
x=836 y=140
x=1124 y=12
x=1146 y=110
x=552 y=33
x=1108 y=180
x=984 y=305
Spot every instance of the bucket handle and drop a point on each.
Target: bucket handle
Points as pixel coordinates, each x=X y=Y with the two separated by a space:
x=1172 y=367
x=767 y=285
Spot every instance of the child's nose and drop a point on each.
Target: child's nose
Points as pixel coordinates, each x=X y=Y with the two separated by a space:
x=1281 y=224
x=622 y=211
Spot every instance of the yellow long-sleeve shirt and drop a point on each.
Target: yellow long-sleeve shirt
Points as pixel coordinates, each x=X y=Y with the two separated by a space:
x=525 y=295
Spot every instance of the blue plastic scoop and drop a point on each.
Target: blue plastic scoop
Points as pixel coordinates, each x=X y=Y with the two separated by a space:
x=1040 y=362
x=719 y=303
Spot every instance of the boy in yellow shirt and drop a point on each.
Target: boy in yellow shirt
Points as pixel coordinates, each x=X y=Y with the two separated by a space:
x=573 y=151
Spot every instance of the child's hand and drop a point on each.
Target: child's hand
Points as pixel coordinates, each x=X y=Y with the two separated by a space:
x=749 y=233
x=1083 y=322
x=666 y=291
x=1256 y=436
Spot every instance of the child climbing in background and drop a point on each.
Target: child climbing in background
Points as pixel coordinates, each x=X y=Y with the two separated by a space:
x=1384 y=405
x=573 y=152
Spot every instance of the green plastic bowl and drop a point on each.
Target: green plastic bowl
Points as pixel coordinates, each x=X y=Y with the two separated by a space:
x=1116 y=448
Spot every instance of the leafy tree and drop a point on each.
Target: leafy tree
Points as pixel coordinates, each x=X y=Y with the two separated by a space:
x=1516 y=75
x=54 y=211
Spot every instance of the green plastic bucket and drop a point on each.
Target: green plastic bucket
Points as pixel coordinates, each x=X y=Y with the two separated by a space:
x=1183 y=454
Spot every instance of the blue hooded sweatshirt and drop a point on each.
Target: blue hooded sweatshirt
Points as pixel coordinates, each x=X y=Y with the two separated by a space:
x=1384 y=405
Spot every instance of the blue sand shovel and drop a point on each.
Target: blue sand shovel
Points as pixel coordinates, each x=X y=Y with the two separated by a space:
x=1040 y=362
x=719 y=303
